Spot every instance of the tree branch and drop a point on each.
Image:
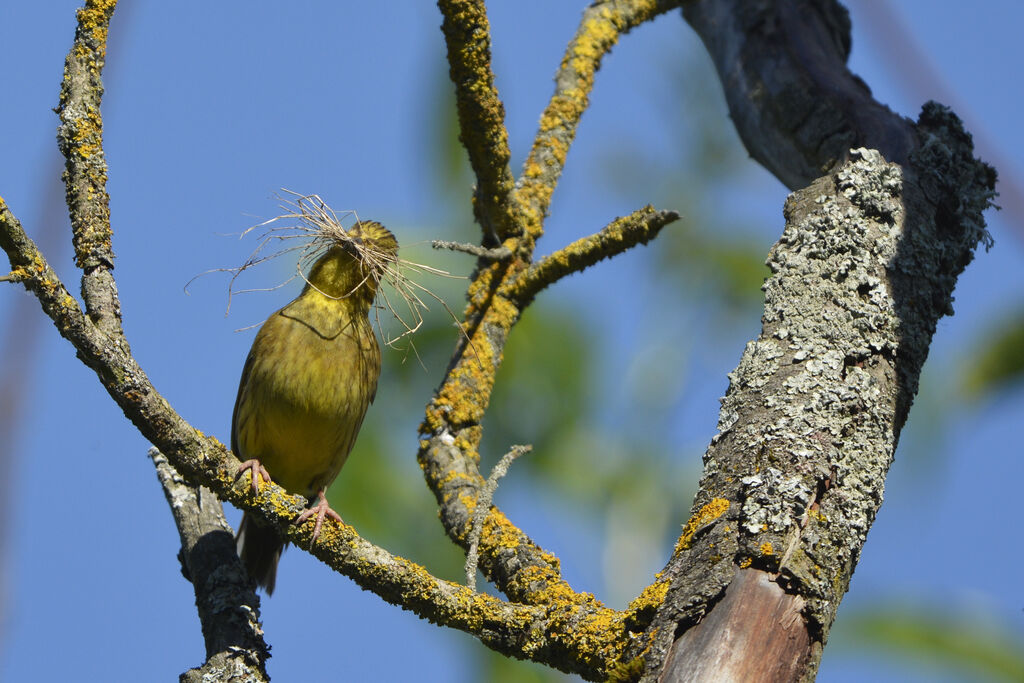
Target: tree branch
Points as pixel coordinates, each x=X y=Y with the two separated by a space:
x=227 y=604
x=501 y=253
x=481 y=115
x=795 y=104
x=622 y=234
x=451 y=431
x=772 y=642
x=80 y=138
x=563 y=634
x=867 y=265
x=30 y=268
x=599 y=30
x=571 y=632
x=482 y=506
x=807 y=431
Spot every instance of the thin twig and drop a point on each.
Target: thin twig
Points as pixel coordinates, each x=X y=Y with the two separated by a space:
x=639 y=227
x=501 y=253
x=599 y=30
x=483 y=505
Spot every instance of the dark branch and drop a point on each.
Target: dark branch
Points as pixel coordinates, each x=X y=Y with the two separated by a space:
x=227 y=604
x=796 y=105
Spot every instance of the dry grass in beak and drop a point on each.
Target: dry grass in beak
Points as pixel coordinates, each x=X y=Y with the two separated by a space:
x=311 y=227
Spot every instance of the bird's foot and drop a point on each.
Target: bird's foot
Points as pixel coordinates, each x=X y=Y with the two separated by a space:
x=321 y=510
x=257 y=469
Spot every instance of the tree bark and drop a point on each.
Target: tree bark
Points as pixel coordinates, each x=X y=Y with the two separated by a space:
x=890 y=214
x=229 y=609
x=864 y=269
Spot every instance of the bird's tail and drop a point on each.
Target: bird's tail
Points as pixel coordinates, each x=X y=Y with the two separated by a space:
x=259 y=547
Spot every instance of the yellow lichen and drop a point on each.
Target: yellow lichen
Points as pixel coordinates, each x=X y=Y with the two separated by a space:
x=498 y=532
x=18 y=274
x=651 y=597
x=707 y=514
x=467 y=501
x=451 y=476
x=767 y=549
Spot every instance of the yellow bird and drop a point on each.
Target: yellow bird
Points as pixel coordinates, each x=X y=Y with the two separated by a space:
x=308 y=380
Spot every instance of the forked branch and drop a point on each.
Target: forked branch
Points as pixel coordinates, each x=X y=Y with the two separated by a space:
x=451 y=431
x=546 y=621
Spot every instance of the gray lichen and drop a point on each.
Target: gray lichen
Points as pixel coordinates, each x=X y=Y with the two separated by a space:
x=809 y=425
x=819 y=415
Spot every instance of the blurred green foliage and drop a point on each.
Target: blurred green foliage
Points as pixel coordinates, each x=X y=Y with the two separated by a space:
x=997 y=361
x=602 y=441
x=932 y=640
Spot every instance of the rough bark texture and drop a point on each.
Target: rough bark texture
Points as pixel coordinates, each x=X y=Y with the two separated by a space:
x=807 y=430
x=794 y=478
x=229 y=609
x=795 y=104
x=863 y=271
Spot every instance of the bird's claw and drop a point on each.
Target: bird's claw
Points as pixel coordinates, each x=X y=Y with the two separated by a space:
x=257 y=469
x=321 y=509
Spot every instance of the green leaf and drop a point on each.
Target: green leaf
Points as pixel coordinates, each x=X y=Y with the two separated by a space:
x=999 y=361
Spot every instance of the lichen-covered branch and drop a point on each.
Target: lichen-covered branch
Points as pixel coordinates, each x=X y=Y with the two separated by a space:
x=227 y=604
x=481 y=115
x=546 y=621
x=30 y=269
x=578 y=635
x=451 y=431
x=863 y=271
x=622 y=234
x=599 y=30
x=80 y=138
x=501 y=253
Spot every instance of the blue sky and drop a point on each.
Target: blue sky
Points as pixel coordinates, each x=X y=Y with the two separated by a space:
x=211 y=107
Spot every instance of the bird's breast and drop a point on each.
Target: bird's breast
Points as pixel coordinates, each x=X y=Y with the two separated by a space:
x=310 y=380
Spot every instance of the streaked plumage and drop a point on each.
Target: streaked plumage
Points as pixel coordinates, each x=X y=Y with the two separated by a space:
x=308 y=380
